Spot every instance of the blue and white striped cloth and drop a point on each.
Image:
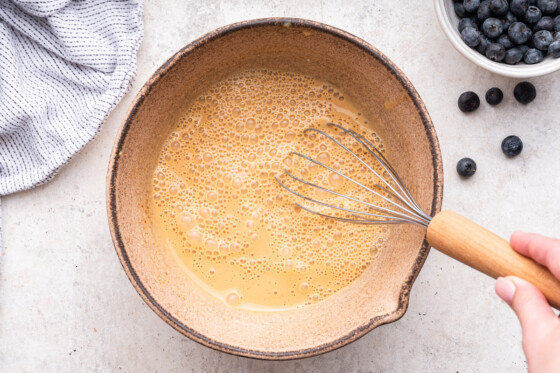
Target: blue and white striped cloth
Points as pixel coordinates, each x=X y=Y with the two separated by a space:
x=64 y=65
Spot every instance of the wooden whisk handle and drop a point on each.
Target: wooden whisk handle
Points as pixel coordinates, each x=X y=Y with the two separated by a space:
x=473 y=245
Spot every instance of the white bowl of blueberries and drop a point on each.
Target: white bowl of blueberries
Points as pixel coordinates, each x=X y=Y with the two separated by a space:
x=515 y=38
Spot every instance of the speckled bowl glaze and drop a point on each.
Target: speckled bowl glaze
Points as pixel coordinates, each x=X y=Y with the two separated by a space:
x=381 y=294
x=448 y=21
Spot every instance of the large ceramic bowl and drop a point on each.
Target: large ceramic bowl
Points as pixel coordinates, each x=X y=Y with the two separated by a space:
x=380 y=295
x=449 y=21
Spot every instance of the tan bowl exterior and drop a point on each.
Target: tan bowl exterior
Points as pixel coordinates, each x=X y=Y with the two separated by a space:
x=379 y=296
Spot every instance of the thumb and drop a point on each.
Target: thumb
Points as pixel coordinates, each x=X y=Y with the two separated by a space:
x=528 y=303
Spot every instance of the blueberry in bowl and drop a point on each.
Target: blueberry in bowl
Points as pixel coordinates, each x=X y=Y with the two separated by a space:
x=515 y=38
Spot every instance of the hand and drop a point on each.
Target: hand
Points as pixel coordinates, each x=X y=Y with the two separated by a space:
x=540 y=326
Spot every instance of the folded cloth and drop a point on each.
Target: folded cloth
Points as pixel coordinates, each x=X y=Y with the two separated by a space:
x=64 y=65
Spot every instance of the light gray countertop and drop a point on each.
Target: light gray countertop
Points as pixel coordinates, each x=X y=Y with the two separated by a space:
x=66 y=304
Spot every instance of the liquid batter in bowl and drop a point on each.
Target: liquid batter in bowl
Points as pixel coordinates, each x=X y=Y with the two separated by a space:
x=217 y=207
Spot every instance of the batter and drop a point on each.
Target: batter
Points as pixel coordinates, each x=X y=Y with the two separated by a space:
x=235 y=231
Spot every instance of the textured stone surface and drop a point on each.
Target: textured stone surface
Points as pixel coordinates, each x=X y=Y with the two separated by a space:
x=66 y=304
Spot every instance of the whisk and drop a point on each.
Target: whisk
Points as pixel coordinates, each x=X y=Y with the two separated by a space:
x=447 y=231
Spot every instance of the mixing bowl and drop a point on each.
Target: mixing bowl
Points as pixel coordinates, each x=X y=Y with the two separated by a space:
x=375 y=84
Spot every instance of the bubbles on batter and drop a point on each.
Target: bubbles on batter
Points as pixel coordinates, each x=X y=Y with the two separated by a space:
x=185 y=221
x=233 y=299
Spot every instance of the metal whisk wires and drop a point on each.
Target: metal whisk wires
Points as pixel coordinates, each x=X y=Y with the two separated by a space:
x=400 y=206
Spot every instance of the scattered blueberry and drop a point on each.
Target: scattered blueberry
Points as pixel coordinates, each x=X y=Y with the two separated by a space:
x=542 y=39
x=499 y=7
x=547 y=6
x=524 y=92
x=554 y=49
x=532 y=15
x=519 y=7
x=494 y=96
x=484 y=12
x=471 y=5
x=533 y=56
x=470 y=36
x=545 y=23
x=512 y=146
x=495 y=52
x=513 y=56
x=519 y=33
x=468 y=102
x=504 y=40
x=466 y=167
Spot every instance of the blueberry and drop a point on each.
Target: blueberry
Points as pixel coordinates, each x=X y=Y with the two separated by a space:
x=508 y=20
x=512 y=146
x=505 y=41
x=532 y=15
x=547 y=6
x=466 y=167
x=484 y=42
x=484 y=11
x=524 y=92
x=556 y=23
x=524 y=48
x=533 y=56
x=465 y=22
x=519 y=33
x=471 y=5
x=494 y=96
x=518 y=7
x=554 y=49
x=499 y=7
x=496 y=52
x=545 y=23
x=460 y=10
x=556 y=35
x=470 y=36
x=542 y=39
x=468 y=102
x=492 y=27
x=513 y=56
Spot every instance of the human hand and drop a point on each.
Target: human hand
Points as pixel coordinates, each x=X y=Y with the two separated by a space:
x=539 y=324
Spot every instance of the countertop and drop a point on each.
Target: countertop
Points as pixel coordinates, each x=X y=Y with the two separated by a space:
x=67 y=306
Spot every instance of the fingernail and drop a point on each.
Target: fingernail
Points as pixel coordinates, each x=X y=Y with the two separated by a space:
x=505 y=289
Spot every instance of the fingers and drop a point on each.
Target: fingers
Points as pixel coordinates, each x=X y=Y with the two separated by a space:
x=543 y=250
x=528 y=303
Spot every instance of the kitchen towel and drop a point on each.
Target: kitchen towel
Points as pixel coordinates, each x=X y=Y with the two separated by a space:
x=64 y=65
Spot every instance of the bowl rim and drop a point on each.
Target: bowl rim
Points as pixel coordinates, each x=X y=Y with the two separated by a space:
x=112 y=212
x=512 y=71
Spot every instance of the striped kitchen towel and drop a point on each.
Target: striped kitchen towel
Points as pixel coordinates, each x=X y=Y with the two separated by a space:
x=64 y=65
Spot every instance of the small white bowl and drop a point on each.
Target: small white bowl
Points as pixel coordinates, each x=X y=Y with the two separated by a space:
x=449 y=21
